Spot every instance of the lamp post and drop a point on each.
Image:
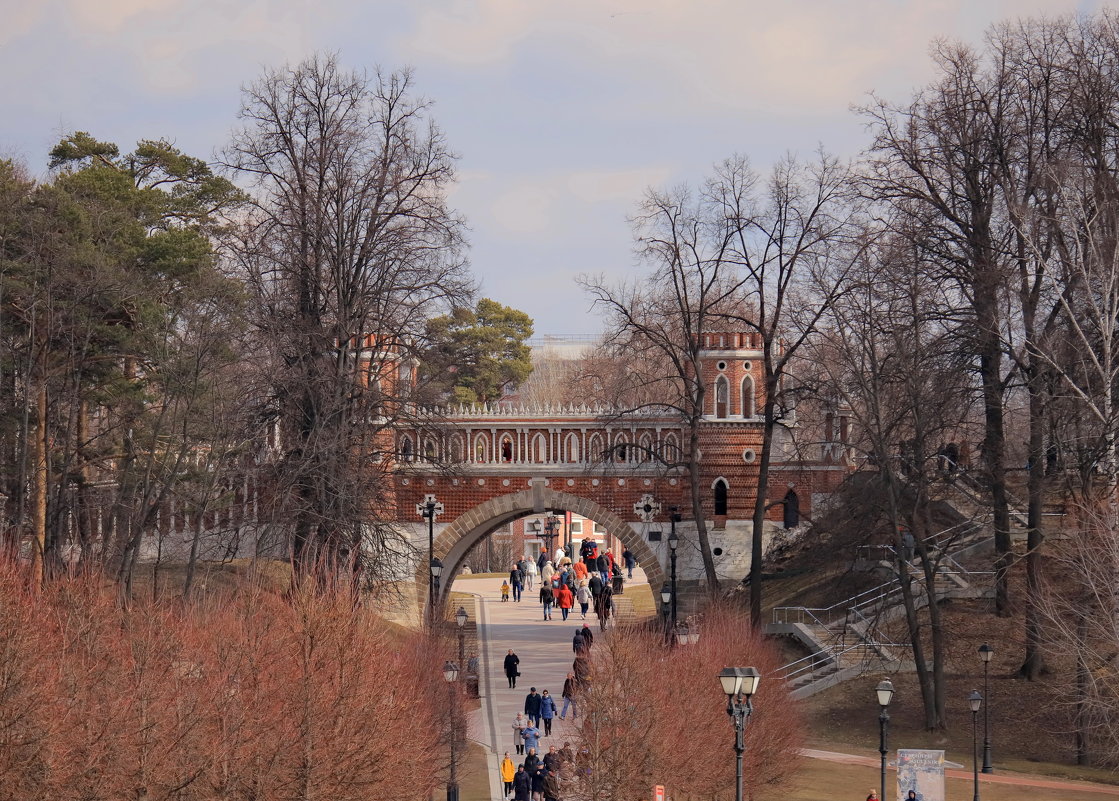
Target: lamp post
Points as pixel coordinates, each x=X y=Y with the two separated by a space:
x=885 y=693
x=739 y=685
x=460 y=619
x=666 y=600
x=450 y=673
x=975 y=700
x=673 y=543
x=435 y=568
x=687 y=634
x=985 y=652
x=428 y=510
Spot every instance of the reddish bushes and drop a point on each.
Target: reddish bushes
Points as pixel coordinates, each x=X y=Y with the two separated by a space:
x=658 y=716
x=249 y=697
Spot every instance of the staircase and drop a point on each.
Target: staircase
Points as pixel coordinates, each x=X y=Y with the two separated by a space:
x=845 y=639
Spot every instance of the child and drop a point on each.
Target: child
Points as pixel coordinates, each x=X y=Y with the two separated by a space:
x=504 y=591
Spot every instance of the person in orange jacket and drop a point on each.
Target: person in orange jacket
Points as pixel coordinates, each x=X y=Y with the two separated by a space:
x=565 y=599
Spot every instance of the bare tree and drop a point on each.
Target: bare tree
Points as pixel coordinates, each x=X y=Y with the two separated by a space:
x=350 y=247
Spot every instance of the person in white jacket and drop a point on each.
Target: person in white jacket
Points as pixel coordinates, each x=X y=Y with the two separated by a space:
x=530 y=573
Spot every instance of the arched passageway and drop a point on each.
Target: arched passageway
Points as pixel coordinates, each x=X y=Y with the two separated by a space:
x=456 y=540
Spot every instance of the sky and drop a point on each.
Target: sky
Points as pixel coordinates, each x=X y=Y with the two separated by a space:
x=562 y=113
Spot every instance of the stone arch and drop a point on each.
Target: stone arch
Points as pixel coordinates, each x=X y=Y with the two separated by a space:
x=454 y=542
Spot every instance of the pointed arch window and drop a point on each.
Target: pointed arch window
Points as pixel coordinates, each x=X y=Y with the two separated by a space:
x=748 y=397
x=406 y=448
x=506 y=448
x=646 y=448
x=571 y=448
x=594 y=448
x=430 y=451
x=720 y=492
x=621 y=448
x=481 y=449
x=670 y=449
x=722 y=396
x=539 y=449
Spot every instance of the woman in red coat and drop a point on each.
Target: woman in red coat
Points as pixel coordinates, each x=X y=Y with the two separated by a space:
x=565 y=599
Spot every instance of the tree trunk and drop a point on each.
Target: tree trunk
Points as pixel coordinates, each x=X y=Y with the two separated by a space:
x=697 y=502
x=1033 y=664
x=994 y=437
x=39 y=488
x=758 y=521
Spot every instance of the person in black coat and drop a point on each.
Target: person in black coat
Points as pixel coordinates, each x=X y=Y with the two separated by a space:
x=522 y=784
x=538 y=777
x=579 y=643
x=532 y=706
x=516 y=581
x=531 y=763
x=603 y=565
x=588 y=635
x=511 y=672
x=595 y=585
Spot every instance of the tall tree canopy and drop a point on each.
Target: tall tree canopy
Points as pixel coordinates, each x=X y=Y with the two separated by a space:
x=474 y=354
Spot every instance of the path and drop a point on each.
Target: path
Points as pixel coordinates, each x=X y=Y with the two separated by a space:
x=544 y=648
x=1019 y=780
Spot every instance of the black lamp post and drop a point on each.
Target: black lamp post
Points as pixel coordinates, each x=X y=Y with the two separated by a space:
x=739 y=685
x=666 y=601
x=450 y=673
x=687 y=634
x=460 y=619
x=885 y=693
x=428 y=510
x=985 y=652
x=975 y=700
x=673 y=543
x=436 y=569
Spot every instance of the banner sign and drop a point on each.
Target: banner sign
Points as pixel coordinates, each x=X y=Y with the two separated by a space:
x=920 y=771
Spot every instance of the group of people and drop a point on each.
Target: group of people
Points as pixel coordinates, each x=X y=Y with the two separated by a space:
x=588 y=582
x=539 y=778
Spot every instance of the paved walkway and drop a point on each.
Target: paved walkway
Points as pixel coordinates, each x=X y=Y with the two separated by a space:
x=544 y=648
x=1019 y=780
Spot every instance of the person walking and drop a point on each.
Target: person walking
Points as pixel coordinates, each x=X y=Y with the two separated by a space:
x=569 y=696
x=522 y=785
x=516 y=577
x=546 y=574
x=547 y=712
x=532 y=707
x=588 y=635
x=595 y=584
x=531 y=763
x=508 y=771
x=551 y=786
x=551 y=760
x=532 y=738
x=511 y=667
x=579 y=643
x=530 y=574
x=580 y=570
x=564 y=600
x=538 y=778
x=546 y=598
x=519 y=724
x=583 y=596
x=604 y=606
x=629 y=560
x=602 y=565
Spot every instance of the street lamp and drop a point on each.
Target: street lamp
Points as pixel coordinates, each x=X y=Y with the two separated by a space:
x=666 y=600
x=673 y=544
x=885 y=693
x=975 y=700
x=450 y=673
x=428 y=510
x=435 y=568
x=739 y=685
x=985 y=652
x=460 y=619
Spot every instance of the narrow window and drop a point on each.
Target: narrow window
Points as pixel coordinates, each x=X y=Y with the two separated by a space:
x=572 y=447
x=720 y=498
x=406 y=449
x=747 y=397
x=722 y=389
x=506 y=450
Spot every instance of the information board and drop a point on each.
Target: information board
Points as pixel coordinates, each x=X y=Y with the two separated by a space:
x=921 y=771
